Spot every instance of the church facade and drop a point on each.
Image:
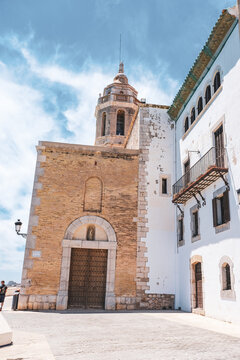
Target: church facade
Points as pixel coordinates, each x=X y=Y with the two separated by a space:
x=148 y=217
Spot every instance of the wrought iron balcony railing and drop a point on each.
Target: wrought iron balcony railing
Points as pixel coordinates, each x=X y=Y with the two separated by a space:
x=203 y=173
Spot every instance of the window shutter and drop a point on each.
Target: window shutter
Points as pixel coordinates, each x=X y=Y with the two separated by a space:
x=214 y=210
x=182 y=235
x=226 y=209
x=178 y=230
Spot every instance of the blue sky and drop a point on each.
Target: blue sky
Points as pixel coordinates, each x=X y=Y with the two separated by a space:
x=56 y=56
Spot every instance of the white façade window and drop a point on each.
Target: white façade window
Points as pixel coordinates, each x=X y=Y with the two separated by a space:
x=216 y=81
x=221 y=209
x=207 y=94
x=195 y=223
x=200 y=105
x=226 y=279
x=180 y=230
x=186 y=124
x=165 y=185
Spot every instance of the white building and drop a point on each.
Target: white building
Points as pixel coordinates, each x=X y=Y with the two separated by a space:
x=208 y=178
x=188 y=194
x=198 y=259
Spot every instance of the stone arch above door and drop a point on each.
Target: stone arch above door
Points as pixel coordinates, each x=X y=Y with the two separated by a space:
x=94 y=220
x=70 y=242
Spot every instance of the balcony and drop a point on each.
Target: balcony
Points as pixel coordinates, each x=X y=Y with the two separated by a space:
x=125 y=98
x=118 y=97
x=103 y=99
x=207 y=170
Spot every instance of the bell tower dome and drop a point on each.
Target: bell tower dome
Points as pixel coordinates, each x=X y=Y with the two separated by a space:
x=115 y=110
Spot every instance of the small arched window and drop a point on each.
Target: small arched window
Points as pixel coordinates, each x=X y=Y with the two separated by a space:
x=120 y=122
x=217 y=81
x=226 y=277
x=193 y=115
x=200 y=105
x=207 y=94
x=103 y=131
x=186 y=124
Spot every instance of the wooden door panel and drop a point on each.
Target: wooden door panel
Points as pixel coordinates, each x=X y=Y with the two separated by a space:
x=87 y=280
x=78 y=277
x=199 y=298
x=97 y=278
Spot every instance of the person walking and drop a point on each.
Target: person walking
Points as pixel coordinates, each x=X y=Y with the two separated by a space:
x=3 y=290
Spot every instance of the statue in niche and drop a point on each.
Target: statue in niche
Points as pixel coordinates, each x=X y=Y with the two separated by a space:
x=91 y=232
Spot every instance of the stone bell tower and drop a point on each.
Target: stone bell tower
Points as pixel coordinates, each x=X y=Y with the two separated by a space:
x=115 y=111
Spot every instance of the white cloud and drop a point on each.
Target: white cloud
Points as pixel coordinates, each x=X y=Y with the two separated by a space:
x=24 y=121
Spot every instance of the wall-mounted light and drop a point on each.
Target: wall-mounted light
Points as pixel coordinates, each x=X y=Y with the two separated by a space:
x=193 y=151
x=18 y=225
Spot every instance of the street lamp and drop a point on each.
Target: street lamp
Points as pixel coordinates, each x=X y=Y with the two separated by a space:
x=18 y=225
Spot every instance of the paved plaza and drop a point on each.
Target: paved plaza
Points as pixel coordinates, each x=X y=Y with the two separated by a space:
x=119 y=336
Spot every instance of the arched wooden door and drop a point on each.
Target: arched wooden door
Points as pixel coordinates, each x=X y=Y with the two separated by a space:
x=198 y=285
x=87 y=280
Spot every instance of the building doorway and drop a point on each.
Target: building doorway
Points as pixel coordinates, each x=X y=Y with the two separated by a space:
x=89 y=247
x=219 y=147
x=87 y=280
x=198 y=286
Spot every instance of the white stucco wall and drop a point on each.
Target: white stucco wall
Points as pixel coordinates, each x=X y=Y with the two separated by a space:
x=224 y=108
x=157 y=136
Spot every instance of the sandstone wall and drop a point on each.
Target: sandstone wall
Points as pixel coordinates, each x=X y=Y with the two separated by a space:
x=58 y=199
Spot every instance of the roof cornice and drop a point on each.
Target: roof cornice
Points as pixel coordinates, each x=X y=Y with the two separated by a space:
x=208 y=53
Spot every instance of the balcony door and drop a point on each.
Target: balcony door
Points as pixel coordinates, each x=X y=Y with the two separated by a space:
x=219 y=147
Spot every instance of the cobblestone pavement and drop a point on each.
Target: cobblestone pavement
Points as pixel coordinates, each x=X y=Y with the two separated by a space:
x=119 y=336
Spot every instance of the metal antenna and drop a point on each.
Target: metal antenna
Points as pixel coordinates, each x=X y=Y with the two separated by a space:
x=120 y=49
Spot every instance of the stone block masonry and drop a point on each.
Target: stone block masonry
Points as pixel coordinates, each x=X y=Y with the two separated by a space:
x=148 y=302
x=158 y=302
x=58 y=199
